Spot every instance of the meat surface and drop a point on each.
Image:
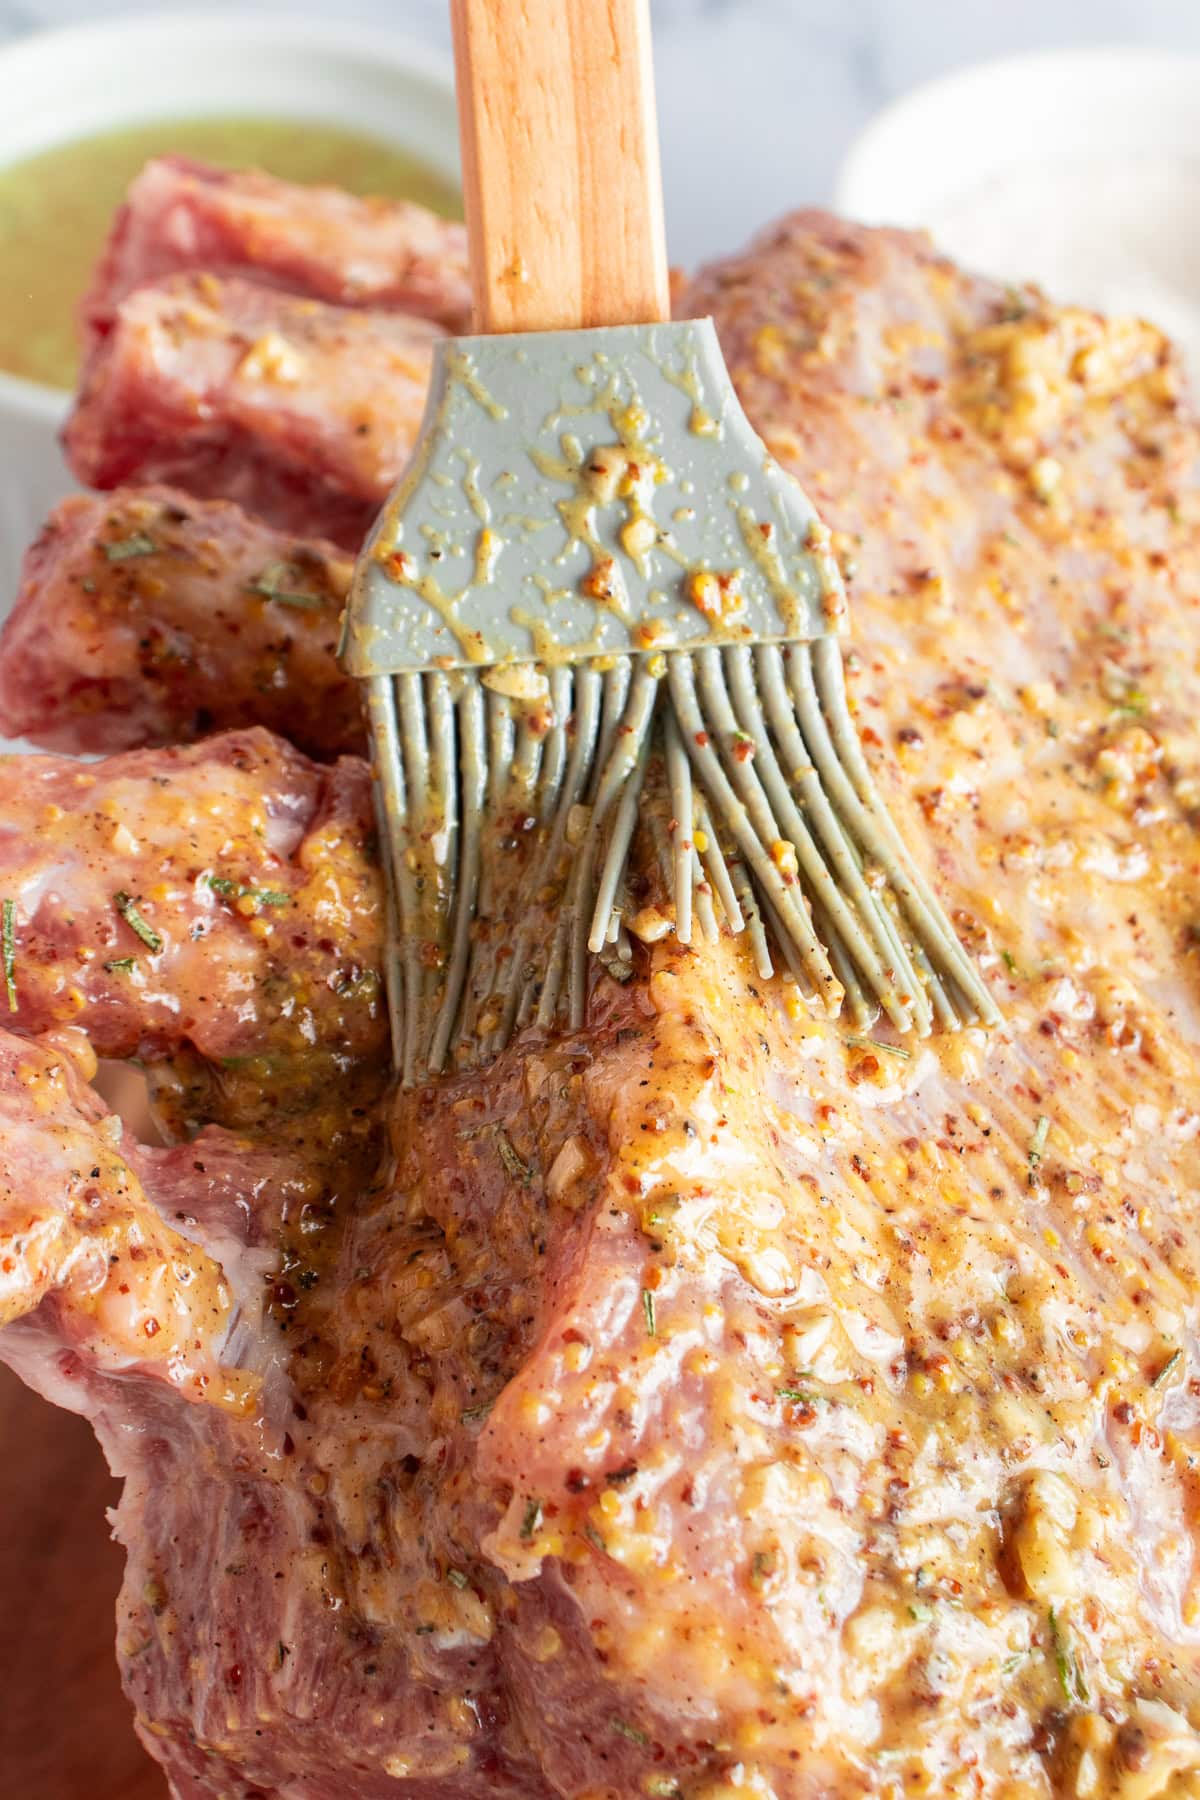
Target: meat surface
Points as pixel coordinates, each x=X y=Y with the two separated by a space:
x=93 y=1257
x=715 y=1403
x=301 y=412
x=147 y=617
x=218 y=901
x=181 y=216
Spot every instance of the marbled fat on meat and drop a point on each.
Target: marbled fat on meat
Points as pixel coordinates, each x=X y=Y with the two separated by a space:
x=714 y=1403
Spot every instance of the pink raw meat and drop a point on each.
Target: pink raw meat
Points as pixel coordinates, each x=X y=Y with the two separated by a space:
x=148 y=617
x=301 y=412
x=221 y=896
x=182 y=216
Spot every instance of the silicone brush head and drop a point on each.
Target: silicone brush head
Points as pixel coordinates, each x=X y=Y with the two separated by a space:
x=591 y=559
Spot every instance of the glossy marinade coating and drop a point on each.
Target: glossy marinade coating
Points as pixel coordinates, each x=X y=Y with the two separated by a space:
x=1012 y=489
x=149 y=617
x=181 y=216
x=718 y=1402
x=84 y=1242
x=222 y=896
x=302 y=412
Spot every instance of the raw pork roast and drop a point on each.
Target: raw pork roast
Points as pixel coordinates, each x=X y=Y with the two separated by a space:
x=713 y=1402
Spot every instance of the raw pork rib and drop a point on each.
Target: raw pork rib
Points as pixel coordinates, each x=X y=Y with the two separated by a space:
x=223 y=896
x=148 y=617
x=180 y=216
x=714 y=1404
x=302 y=412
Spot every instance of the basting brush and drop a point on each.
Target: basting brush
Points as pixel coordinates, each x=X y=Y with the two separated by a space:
x=593 y=605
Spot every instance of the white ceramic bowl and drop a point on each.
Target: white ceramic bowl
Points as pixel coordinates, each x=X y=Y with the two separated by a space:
x=1078 y=169
x=62 y=85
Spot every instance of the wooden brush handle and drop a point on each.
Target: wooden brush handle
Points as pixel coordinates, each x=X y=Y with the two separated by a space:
x=560 y=163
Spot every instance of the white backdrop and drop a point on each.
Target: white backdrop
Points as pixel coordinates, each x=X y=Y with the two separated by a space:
x=759 y=98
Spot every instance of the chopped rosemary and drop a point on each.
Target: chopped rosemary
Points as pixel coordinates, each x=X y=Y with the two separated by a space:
x=631 y=1732
x=620 y=968
x=921 y=1611
x=762 y=1565
x=648 y=1313
x=1164 y=1372
x=1016 y=306
x=457 y=1579
x=135 y=921
x=1010 y=961
x=870 y=1043
x=136 y=544
x=476 y=1412
x=121 y=965
x=1037 y=1142
x=1069 y=1673
x=10 y=953
x=804 y=1396
x=232 y=890
x=1013 y=1662
x=512 y=1162
x=532 y=1519
x=271 y=585
x=594 y=1539
x=362 y=986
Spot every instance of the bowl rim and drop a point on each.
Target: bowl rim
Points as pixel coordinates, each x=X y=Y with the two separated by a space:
x=215 y=31
x=33 y=400
x=904 y=126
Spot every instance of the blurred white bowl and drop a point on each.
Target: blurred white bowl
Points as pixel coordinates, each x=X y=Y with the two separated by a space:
x=1079 y=169
x=59 y=86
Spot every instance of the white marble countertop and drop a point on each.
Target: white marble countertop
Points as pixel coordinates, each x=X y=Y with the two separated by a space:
x=759 y=98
